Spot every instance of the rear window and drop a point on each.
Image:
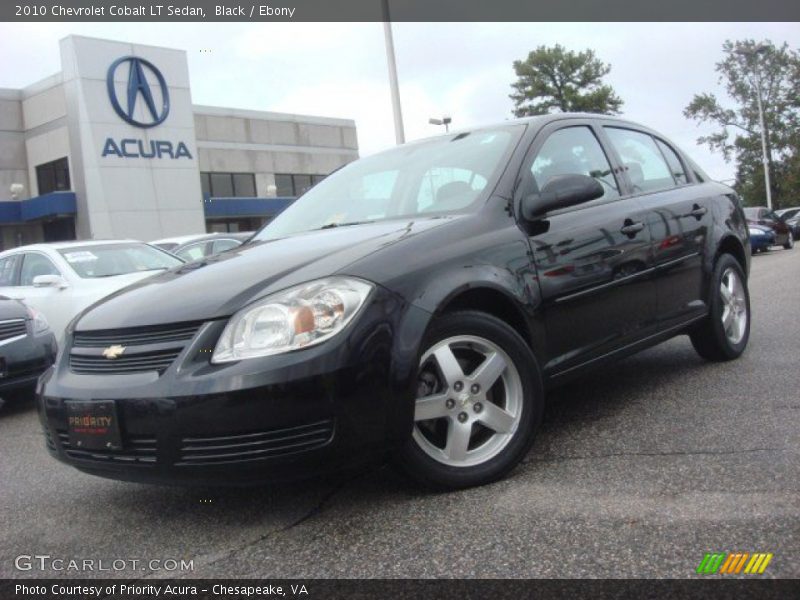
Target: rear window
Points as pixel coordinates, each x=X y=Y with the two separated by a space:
x=751 y=213
x=96 y=261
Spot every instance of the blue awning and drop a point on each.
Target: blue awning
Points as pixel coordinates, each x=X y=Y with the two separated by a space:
x=244 y=207
x=47 y=205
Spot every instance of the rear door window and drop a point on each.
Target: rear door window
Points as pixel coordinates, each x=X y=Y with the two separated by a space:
x=645 y=165
x=675 y=164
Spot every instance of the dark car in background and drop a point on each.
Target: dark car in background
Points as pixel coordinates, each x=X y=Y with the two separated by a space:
x=417 y=303
x=761 y=215
x=27 y=348
x=762 y=238
x=791 y=216
x=209 y=245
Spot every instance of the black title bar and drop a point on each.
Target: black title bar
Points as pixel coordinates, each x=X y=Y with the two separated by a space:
x=396 y=589
x=398 y=10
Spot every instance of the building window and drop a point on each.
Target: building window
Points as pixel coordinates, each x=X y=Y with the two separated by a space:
x=228 y=185
x=53 y=176
x=293 y=185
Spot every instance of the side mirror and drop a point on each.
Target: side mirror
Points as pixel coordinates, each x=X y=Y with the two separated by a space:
x=560 y=192
x=55 y=281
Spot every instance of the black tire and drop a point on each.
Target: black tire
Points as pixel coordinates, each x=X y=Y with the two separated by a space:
x=789 y=242
x=709 y=337
x=424 y=469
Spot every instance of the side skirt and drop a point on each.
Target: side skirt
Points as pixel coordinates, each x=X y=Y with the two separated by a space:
x=558 y=378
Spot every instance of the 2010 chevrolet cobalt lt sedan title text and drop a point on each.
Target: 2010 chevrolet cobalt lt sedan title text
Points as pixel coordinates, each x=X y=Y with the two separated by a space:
x=416 y=304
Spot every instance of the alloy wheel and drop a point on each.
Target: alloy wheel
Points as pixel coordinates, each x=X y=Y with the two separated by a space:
x=469 y=401
x=734 y=306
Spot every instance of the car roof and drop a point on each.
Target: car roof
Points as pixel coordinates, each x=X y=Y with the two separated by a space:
x=182 y=239
x=239 y=235
x=67 y=245
x=542 y=120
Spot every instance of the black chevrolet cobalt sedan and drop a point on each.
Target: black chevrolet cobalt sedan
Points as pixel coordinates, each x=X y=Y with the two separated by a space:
x=416 y=304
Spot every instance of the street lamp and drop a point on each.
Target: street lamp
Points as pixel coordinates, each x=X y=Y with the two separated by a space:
x=394 y=87
x=443 y=121
x=755 y=52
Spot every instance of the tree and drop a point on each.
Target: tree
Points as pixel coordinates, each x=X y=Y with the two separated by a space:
x=747 y=63
x=556 y=79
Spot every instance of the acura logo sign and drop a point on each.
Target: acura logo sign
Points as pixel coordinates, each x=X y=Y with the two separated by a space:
x=138 y=90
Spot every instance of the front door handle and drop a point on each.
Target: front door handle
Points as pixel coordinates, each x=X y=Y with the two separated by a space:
x=698 y=211
x=631 y=228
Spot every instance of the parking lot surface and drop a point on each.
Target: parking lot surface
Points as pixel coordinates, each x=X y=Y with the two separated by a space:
x=637 y=472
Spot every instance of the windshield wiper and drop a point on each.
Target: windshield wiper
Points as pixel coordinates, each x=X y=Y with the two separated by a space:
x=332 y=225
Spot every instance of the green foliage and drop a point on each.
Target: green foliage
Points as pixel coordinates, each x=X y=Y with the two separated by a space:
x=555 y=79
x=777 y=68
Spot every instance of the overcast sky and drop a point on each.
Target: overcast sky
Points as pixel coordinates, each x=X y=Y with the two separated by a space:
x=460 y=69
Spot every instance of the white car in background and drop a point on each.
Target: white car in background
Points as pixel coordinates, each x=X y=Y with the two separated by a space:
x=169 y=244
x=61 y=279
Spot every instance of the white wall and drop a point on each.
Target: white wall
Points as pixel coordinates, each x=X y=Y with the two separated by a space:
x=143 y=198
x=13 y=163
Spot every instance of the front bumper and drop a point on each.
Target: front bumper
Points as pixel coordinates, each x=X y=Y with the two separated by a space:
x=25 y=360
x=324 y=408
x=762 y=242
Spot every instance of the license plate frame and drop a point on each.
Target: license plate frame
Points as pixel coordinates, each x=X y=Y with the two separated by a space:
x=93 y=425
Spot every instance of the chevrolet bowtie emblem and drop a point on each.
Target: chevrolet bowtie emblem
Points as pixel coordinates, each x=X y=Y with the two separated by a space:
x=114 y=351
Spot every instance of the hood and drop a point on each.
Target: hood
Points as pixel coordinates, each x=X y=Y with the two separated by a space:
x=12 y=309
x=125 y=279
x=218 y=286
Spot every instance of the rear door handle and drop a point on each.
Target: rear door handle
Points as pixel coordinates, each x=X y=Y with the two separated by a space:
x=698 y=211
x=631 y=228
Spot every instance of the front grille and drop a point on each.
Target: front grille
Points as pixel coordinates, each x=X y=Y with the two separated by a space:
x=179 y=332
x=141 y=349
x=135 y=363
x=205 y=450
x=136 y=450
x=12 y=328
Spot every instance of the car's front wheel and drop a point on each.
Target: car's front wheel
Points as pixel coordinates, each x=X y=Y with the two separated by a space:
x=479 y=402
x=723 y=334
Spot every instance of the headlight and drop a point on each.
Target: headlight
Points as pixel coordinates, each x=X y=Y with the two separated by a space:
x=299 y=317
x=757 y=232
x=40 y=324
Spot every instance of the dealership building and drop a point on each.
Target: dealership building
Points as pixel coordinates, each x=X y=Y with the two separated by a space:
x=113 y=147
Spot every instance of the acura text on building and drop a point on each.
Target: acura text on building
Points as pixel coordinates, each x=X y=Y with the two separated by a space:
x=132 y=148
x=156 y=110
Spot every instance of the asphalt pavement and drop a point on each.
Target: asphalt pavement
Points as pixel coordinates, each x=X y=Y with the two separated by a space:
x=638 y=471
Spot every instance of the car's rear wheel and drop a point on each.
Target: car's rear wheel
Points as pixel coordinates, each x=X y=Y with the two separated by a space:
x=724 y=333
x=479 y=402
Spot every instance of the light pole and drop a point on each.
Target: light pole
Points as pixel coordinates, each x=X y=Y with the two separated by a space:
x=399 y=133
x=754 y=54
x=443 y=121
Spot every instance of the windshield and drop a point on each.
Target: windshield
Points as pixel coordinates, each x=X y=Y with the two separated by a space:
x=751 y=212
x=117 y=259
x=446 y=174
